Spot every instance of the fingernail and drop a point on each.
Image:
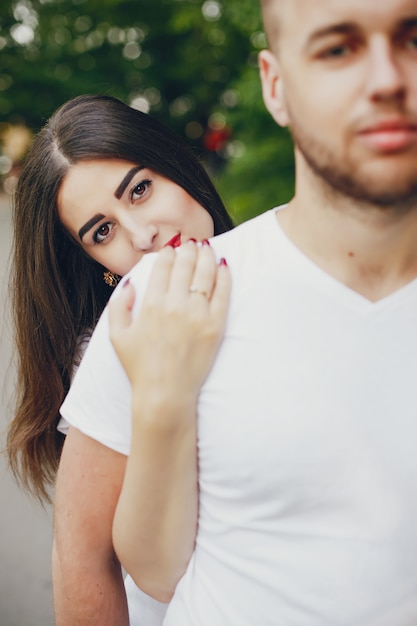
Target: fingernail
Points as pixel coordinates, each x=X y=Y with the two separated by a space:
x=126 y=283
x=223 y=262
x=205 y=242
x=192 y=239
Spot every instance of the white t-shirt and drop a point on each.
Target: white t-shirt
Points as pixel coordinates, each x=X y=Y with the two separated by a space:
x=307 y=437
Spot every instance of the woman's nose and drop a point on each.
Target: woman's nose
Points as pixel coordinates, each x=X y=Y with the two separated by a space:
x=142 y=236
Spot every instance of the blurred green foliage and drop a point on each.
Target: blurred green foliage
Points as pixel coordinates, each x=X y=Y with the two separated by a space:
x=191 y=63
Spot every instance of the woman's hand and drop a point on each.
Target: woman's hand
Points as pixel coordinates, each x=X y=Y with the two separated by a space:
x=169 y=348
x=167 y=352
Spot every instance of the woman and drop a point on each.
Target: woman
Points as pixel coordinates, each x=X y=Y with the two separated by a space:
x=69 y=236
x=60 y=283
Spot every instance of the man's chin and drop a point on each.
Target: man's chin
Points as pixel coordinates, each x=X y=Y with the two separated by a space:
x=385 y=189
x=382 y=188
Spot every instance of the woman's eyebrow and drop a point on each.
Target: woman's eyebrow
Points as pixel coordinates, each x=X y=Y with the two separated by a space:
x=91 y=222
x=126 y=180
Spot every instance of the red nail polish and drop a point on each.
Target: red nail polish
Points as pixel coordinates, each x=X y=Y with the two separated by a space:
x=223 y=262
x=192 y=239
x=205 y=242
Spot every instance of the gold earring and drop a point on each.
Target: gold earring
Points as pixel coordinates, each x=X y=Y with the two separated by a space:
x=111 y=279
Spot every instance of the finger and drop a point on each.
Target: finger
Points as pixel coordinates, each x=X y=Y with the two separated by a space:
x=182 y=271
x=219 y=304
x=160 y=277
x=204 y=276
x=120 y=310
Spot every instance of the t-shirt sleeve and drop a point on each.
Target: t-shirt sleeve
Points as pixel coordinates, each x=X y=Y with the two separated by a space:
x=83 y=342
x=99 y=400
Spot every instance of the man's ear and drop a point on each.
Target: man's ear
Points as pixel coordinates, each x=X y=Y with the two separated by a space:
x=273 y=87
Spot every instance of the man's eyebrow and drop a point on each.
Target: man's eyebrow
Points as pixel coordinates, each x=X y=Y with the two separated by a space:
x=333 y=29
x=409 y=22
x=345 y=28
x=91 y=222
x=126 y=180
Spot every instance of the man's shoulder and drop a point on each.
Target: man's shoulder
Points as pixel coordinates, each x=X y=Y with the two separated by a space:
x=234 y=239
x=246 y=230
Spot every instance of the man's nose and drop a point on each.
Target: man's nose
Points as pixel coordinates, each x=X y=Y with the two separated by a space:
x=386 y=80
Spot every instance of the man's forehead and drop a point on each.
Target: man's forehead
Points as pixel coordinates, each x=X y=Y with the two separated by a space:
x=281 y=9
x=301 y=17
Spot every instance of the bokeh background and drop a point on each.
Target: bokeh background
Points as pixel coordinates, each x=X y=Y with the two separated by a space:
x=190 y=63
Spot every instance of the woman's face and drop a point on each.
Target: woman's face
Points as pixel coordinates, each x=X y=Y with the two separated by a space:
x=118 y=211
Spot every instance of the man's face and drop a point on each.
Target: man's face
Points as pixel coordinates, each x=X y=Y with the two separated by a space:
x=344 y=77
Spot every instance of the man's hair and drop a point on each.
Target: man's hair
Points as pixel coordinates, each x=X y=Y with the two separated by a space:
x=270 y=12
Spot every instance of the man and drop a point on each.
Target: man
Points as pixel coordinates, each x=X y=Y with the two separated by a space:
x=307 y=429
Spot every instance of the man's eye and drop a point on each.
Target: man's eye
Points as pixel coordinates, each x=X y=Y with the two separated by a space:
x=336 y=52
x=412 y=42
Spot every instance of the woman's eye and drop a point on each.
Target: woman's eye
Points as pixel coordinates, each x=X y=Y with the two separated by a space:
x=139 y=190
x=102 y=233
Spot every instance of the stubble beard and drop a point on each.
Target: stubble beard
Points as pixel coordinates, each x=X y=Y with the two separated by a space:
x=342 y=181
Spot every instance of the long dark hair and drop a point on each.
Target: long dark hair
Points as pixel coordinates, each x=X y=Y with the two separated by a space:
x=57 y=291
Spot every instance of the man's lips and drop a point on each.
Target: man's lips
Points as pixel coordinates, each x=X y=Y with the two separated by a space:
x=174 y=242
x=390 y=135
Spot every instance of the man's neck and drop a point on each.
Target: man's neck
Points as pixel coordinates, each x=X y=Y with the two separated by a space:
x=373 y=251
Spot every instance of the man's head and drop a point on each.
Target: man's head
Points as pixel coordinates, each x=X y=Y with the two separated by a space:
x=271 y=10
x=343 y=76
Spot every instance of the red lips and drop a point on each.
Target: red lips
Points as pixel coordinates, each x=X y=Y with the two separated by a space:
x=174 y=242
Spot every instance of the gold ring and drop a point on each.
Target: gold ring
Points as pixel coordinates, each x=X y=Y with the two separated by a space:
x=194 y=289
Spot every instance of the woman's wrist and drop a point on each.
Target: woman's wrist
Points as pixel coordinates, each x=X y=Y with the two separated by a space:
x=163 y=410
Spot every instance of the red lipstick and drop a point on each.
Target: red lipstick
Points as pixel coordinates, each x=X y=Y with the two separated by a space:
x=174 y=242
